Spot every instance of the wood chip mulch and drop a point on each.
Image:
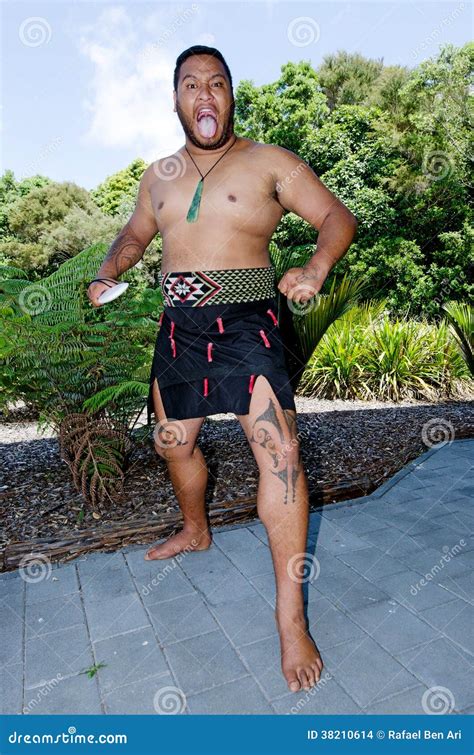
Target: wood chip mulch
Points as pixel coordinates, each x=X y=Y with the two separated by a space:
x=341 y=441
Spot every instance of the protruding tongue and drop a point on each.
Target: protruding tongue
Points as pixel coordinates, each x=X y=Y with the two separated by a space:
x=207 y=126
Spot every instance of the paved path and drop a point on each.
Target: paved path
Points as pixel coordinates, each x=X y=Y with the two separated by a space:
x=393 y=640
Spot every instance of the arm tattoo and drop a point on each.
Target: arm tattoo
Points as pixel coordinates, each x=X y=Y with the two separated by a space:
x=125 y=251
x=268 y=427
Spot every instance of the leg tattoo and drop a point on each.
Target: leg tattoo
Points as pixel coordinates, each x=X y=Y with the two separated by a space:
x=269 y=433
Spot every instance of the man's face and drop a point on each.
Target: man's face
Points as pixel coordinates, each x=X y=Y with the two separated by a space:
x=204 y=102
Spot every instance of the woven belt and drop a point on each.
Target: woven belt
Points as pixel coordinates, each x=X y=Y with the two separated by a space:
x=197 y=288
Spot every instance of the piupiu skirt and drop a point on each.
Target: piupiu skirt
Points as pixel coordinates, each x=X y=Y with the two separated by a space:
x=218 y=332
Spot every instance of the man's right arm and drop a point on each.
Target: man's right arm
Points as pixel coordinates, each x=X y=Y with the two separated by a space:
x=130 y=245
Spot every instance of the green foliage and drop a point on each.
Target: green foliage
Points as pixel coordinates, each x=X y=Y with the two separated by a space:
x=366 y=355
x=58 y=351
x=110 y=193
x=461 y=321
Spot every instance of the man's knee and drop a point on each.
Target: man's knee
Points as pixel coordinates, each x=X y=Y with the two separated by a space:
x=171 y=441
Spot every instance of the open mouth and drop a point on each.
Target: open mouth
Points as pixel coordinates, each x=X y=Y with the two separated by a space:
x=207 y=122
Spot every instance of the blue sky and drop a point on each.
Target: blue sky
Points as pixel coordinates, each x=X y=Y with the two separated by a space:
x=87 y=86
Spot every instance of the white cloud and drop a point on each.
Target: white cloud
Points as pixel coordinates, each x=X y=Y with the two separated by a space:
x=130 y=102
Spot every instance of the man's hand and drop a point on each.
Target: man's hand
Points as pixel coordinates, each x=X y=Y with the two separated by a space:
x=300 y=284
x=96 y=290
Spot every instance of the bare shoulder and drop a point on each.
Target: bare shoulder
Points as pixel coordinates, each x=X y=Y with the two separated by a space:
x=164 y=168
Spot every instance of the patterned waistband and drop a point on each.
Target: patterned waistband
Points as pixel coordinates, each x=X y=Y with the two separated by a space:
x=196 y=288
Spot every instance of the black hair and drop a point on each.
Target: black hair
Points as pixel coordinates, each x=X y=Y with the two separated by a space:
x=199 y=50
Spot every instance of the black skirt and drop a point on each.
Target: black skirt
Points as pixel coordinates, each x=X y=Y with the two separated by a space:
x=207 y=358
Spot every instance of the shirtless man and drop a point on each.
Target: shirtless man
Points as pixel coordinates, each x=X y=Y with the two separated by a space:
x=243 y=200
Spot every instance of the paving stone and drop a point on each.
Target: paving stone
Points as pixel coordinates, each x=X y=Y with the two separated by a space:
x=460 y=585
x=252 y=560
x=455 y=620
x=393 y=626
x=146 y=697
x=246 y=621
x=371 y=562
x=105 y=578
x=59 y=653
x=439 y=538
x=326 y=698
x=11 y=632
x=61 y=580
x=366 y=670
x=408 y=589
x=265 y=585
x=328 y=626
x=181 y=618
x=437 y=562
x=349 y=590
x=157 y=582
x=129 y=658
x=76 y=695
x=54 y=614
x=440 y=663
x=392 y=541
x=337 y=540
x=243 y=696
x=202 y=662
x=460 y=521
x=236 y=540
x=259 y=531
x=119 y=614
x=360 y=522
x=201 y=564
x=408 y=702
x=11 y=689
x=264 y=661
x=12 y=588
x=222 y=585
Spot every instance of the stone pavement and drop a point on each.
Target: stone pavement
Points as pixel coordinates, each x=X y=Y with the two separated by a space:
x=389 y=594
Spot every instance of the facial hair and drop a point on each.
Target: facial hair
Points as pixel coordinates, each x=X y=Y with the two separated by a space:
x=226 y=133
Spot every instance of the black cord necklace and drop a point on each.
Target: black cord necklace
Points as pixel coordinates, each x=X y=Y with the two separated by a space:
x=193 y=211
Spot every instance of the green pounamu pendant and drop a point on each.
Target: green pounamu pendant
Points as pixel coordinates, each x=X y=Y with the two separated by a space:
x=193 y=211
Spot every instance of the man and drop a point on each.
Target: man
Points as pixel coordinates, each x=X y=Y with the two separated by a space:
x=216 y=203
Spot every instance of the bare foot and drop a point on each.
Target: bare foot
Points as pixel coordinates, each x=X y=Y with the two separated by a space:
x=301 y=662
x=182 y=541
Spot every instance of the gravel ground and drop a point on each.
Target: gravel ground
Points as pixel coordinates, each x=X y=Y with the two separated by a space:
x=339 y=440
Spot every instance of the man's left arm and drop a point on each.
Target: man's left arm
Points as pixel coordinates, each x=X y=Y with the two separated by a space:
x=299 y=190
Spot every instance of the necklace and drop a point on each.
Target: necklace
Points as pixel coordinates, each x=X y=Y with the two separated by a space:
x=193 y=211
